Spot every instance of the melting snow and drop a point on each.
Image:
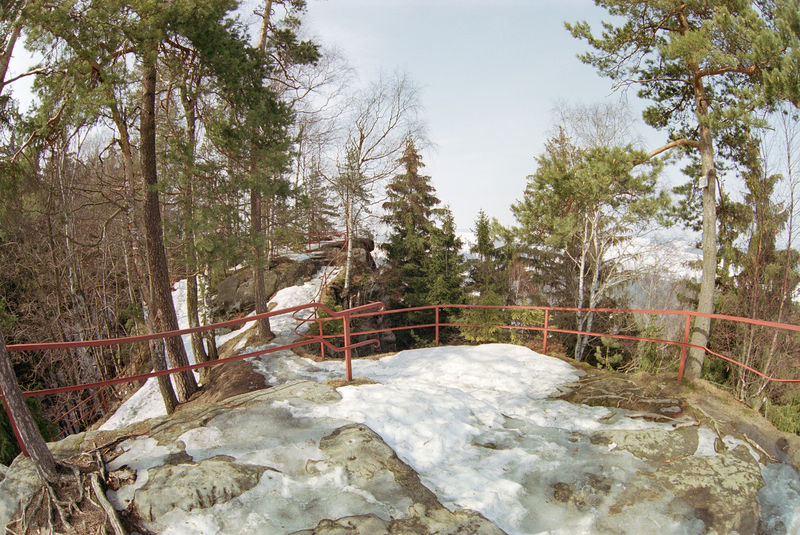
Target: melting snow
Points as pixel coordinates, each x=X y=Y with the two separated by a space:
x=475 y=422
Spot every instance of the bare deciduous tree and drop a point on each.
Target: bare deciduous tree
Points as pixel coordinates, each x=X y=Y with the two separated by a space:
x=382 y=119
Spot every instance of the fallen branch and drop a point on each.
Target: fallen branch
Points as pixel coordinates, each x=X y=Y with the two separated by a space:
x=111 y=513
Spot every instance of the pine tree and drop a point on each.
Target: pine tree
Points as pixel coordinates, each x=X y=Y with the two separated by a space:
x=579 y=206
x=707 y=67
x=410 y=208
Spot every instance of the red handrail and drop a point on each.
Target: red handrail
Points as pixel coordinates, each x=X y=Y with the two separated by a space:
x=546 y=329
x=377 y=309
x=347 y=348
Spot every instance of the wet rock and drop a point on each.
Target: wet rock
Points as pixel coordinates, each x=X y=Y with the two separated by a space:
x=654 y=444
x=194 y=485
x=423 y=521
x=236 y=293
x=19 y=485
x=367 y=244
x=373 y=466
x=715 y=491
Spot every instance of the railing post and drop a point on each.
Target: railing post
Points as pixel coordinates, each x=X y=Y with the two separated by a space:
x=544 y=333
x=437 y=326
x=321 y=338
x=685 y=346
x=347 y=351
x=13 y=423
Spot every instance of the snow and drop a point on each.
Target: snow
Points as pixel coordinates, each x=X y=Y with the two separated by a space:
x=139 y=455
x=485 y=434
x=476 y=423
x=147 y=403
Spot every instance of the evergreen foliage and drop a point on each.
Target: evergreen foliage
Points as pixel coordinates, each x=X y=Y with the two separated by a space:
x=424 y=263
x=484 y=269
x=707 y=67
x=578 y=209
x=410 y=208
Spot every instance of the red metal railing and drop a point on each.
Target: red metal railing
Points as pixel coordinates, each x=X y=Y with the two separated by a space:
x=377 y=309
x=547 y=329
x=346 y=348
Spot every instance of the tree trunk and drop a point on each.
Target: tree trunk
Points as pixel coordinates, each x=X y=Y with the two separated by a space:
x=166 y=320
x=348 y=243
x=188 y=231
x=159 y=362
x=156 y=350
x=8 y=50
x=264 y=330
x=705 y=300
x=32 y=439
x=580 y=317
x=192 y=309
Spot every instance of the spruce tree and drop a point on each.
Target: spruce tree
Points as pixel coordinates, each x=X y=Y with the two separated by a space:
x=484 y=268
x=444 y=267
x=410 y=208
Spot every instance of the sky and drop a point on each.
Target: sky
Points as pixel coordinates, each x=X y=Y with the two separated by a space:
x=489 y=74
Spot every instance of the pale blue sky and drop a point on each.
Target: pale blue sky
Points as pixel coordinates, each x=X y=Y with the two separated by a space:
x=490 y=73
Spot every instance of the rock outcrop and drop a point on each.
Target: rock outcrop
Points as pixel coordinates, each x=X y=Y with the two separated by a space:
x=236 y=294
x=313 y=475
x=717 y=488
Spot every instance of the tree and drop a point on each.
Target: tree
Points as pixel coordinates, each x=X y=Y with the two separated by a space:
x=382 y=119
x=702 y=65
x=410 y=207
x=444 y=266
x=484 y=270
x=28 y=431
x=284 y=50
x=579 y=210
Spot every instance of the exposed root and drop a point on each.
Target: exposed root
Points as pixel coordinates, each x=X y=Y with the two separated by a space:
x=75 y=503
x=757 y=447
x=111 y=513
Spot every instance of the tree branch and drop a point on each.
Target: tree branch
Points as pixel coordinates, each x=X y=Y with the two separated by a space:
x=672 y=144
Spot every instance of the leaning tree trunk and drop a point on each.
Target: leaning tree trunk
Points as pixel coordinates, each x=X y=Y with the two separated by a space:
x=705 y=300
x=188 y=232
x=32 y=439
x=185 y=385
x=155 y=347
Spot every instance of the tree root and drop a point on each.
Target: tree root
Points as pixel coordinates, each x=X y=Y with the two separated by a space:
x=76 y=503
x=111 y=513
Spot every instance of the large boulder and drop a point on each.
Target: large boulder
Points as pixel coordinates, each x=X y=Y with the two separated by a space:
x=373 y=466
x=188 y=486
x=236 y=293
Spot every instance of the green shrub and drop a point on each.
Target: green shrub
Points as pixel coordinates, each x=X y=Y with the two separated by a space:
x=785 y=417
x=607 y=355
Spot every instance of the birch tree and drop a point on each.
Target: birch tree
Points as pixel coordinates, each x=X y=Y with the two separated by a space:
x=381 y=120
x=578 y=213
